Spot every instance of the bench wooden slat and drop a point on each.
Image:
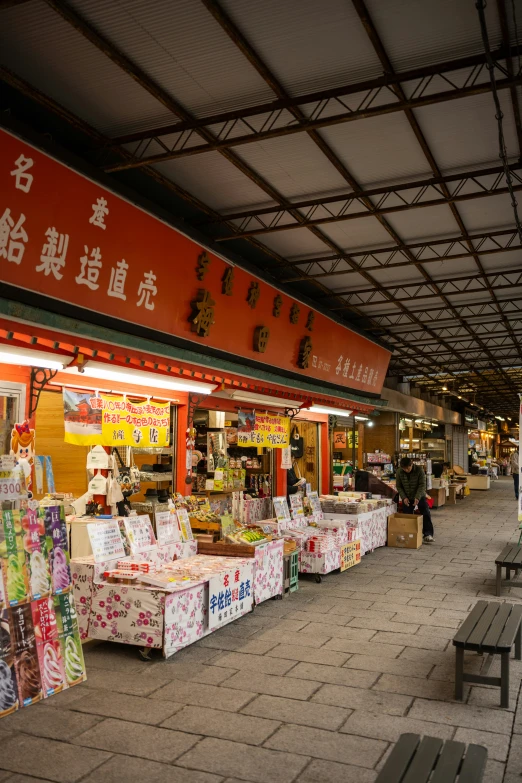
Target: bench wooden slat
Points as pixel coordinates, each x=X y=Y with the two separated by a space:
x=422 y=765
x=497 y=626
x=474 y=764
x=449 y=762
x=399 y=759
x=501 y=557
x=516 y=559
x=509 y=633
x=469 y=623
x=477 y=635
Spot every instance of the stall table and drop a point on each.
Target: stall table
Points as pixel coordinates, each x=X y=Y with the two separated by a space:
x=154 y=618
x=371 y=528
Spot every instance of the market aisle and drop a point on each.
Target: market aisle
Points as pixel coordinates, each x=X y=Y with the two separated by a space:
x=312 y=688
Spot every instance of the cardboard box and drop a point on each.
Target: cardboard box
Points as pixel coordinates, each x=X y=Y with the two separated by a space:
x=405 y=531
x=439 y=496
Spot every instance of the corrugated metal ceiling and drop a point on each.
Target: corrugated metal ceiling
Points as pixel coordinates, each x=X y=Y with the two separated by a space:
x=197 y=60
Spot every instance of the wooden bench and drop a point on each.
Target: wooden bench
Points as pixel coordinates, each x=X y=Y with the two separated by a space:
x=490 y=628
x=413 y=760
x=511 y=559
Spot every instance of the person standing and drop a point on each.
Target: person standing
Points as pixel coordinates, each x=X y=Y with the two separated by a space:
x=515 y=469
x=411 y=486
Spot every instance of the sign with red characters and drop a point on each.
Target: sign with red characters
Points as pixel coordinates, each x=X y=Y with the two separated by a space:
x=68 y=238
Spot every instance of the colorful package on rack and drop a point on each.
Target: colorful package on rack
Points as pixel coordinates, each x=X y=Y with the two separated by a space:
x=35 y=546
x=25 y=655
x=44 y=619
x=9 y=700
x=52 y=667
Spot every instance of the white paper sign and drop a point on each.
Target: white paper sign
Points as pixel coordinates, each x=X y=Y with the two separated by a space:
x=12 y=485
x=296 y=502
x=286 y=457
x=184 y=524
x=316 y=506
x=230 y=594
x=106 y=540
x=281 y=509
x=167 y=528
x=140 y=533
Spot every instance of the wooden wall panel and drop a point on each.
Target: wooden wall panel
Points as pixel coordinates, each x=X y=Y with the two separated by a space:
x=70 y=474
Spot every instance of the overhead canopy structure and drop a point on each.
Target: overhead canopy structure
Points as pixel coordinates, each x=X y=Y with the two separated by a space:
x=348 y=149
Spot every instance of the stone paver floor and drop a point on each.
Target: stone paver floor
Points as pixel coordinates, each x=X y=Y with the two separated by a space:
x=313 y=688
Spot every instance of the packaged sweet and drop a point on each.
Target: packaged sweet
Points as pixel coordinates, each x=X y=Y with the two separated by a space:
x=120 y=576
x=16 y=578
x=44 y=619
x=52 y=667
x=73 y=656
x=9 y=701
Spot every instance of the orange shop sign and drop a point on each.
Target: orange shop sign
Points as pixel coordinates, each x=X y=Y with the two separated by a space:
x=69 y=238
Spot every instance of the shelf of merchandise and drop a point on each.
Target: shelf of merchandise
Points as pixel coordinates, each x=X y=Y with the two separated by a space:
x=155 y=478
x=159 y=452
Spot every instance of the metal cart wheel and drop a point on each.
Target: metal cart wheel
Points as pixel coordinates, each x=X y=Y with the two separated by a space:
x=318 y=578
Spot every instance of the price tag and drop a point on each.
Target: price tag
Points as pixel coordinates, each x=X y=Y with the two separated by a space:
x=11 y=488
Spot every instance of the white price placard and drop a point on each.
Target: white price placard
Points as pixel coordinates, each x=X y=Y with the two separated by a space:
x=140 y=533
x=12 y=485
x=106 y=540
x=167 y=528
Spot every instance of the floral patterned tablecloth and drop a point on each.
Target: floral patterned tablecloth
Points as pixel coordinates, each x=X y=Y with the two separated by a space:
x=268 y=575
x=86 y=574
x=371 y=528
x=147 y=617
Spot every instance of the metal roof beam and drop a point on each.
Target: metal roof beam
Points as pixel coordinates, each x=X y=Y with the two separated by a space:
x=401 y=289
x=237 y=37
x=223 y=140
x=418 y=194
x=505 y=240
x=373 y=35
x=504 y=27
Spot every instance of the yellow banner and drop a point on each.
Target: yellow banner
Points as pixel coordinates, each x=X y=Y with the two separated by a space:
x=263 y=429
x=82 y=414
x=143 y=424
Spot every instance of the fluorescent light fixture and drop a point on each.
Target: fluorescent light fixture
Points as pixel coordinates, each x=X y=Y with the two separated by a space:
x=257 y=399
x=361 y=418
x=28 y=358
x=137 y=378
x=330 y=411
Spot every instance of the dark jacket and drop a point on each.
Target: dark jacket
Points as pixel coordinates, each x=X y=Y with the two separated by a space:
x=291 y=481
x=411 y=485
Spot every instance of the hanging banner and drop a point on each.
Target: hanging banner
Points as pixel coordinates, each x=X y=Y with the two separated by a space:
x=339 y=440
x=263 y=429
x=144 y=424
x=114 y=421
x=82 y=417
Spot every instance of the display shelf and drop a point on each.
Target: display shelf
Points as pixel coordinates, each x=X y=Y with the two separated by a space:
x=154 y=478
x=167 y=450
x=150 y=507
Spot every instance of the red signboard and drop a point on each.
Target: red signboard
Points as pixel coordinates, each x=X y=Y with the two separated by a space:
x=67 y=237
